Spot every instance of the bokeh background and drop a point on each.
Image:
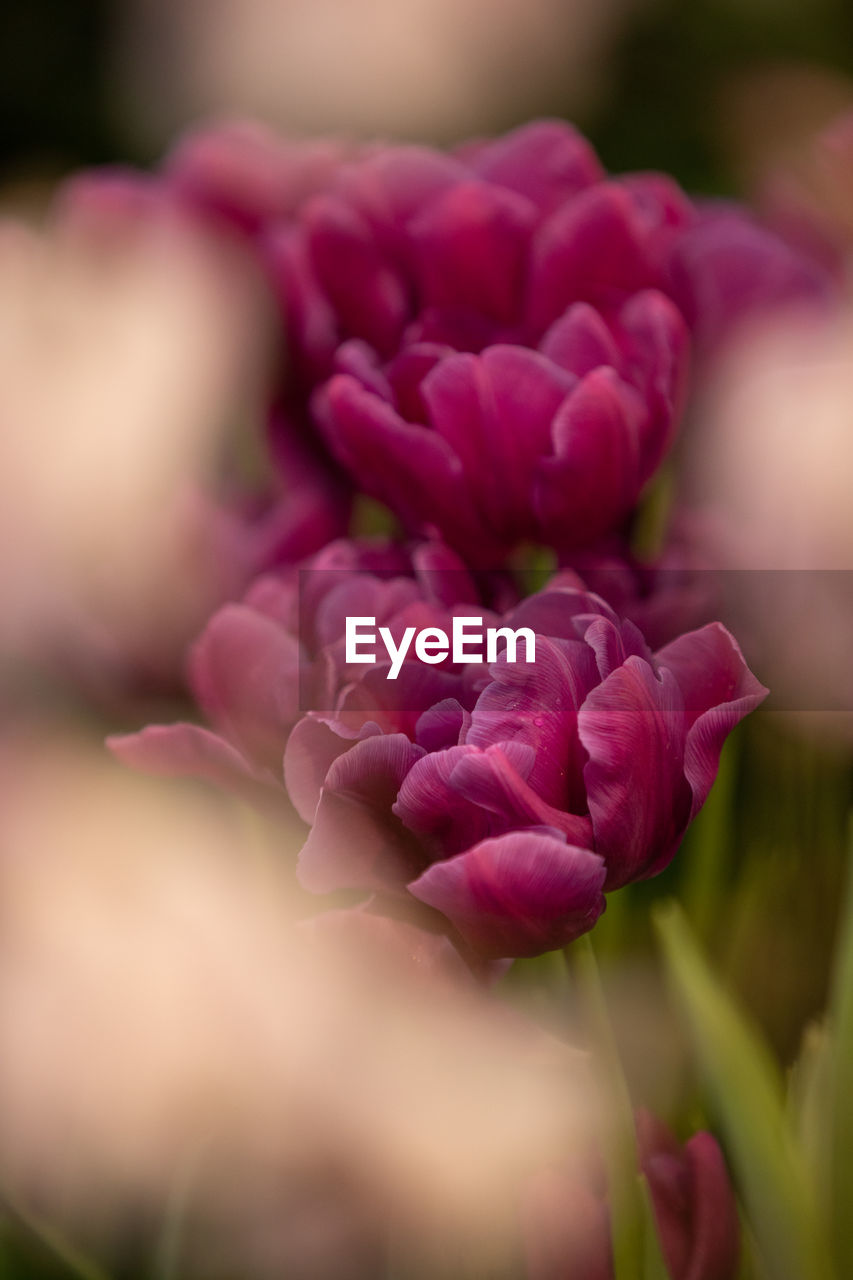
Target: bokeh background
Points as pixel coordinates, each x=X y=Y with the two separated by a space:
x=697 y=89
x=725 y=95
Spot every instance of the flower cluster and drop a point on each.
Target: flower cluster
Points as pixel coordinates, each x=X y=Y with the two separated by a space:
x=507 y=797
x=495 y=343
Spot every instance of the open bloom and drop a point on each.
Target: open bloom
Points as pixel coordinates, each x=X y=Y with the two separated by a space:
x=504 y=798
x=551 y=444
x=260 y=663
x=505 y=366
x=510 y=809
x=505 y=329
x=492 y=341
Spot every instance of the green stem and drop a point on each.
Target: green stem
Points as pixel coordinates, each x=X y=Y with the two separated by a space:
x=626 y=1206
x=709 y=866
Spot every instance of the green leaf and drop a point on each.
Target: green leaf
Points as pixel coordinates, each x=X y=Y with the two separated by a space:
x=747 y=1098
x=839 y=1139
x=810 y=1103
x=75 y=1263
x=707 y=873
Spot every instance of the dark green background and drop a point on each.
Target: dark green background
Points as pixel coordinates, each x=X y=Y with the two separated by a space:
x=671 y=62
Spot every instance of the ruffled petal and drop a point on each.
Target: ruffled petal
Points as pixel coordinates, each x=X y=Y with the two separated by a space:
x=496 y=780
x=442 y=725
x=718 y=689
x=519 y=894
x=356 y=842
x=537 y=704
x=632 y=725
x=434 y=809
x=312 y=748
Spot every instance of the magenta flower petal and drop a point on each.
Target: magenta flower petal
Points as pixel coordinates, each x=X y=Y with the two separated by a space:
x=453 y=798
x=655 y=346
x=694 y=1204
x=442 y=575
x=537 y=704
x=312 y=748
x=454 y=327
x=113 y=199
x=248 y=174
x=710 y=670
x=358 y=358
x=499 y=406
x=309 y=317
x=715 y=1225
x=632 y=728
x=244 y=670
x=496 y=780
x=407 y=373
x=442 y=725
x=547 y=161
x=581 y=341
x=660 y=202
x=718 y=690
x=563 y=613
x=387 y=454
x=190 y=751
x=592 y=481
x=367 y=293
x=591 y=250
x=356 y=842
x=391 y=185
x=470 y=249
x=728 y=267
x=518 y=894
x=612 y=644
